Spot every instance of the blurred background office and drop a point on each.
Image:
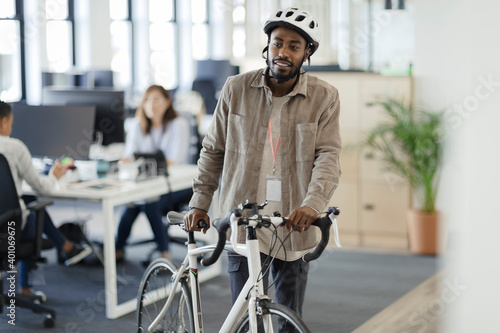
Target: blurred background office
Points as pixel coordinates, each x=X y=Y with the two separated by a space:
x=131 y=44
x=448 y=49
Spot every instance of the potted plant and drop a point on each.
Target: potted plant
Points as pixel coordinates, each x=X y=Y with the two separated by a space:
x=409 y=143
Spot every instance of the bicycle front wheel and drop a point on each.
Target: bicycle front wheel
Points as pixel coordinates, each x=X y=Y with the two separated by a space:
x=281 y=318
x=156 y=285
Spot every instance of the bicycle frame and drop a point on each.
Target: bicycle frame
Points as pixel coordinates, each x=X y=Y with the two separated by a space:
x=253 y=290
x=243 y=301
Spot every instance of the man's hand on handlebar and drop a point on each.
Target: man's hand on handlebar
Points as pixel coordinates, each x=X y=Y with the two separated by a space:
x=301 y=219
x=192 y=217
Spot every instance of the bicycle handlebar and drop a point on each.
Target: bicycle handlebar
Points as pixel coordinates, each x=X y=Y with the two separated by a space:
x=175 y=218
x=223 y=224
x=324 y=225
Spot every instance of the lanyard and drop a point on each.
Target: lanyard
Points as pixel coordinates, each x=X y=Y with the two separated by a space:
x=273 y=150
x=157 y=145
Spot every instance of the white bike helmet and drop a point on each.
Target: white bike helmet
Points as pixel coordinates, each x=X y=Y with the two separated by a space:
x=296 y=19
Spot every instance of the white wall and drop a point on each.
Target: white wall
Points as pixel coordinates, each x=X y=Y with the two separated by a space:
x=456 y=68
x=92 y=34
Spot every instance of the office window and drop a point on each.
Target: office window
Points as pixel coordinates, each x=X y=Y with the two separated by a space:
x=161 y=10
x=239 y=33
x=119 y=9
x=199 y=29
x=10 y=52
x=163 y=43
x=121 y=42
x=7 y=9
x=59 y=35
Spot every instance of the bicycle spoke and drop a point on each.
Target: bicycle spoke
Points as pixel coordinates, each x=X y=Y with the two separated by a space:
x=156 y=287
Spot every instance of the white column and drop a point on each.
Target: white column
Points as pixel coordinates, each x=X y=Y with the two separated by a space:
x=344 y=34
x=100 y=35
x=186 y=63
x=83 y=35
x=221 y=25
x=456 y=68
x=141 y=50
x=34 y=23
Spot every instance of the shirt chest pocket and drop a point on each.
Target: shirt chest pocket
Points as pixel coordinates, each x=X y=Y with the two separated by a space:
x=238 y=134
x=305 y=140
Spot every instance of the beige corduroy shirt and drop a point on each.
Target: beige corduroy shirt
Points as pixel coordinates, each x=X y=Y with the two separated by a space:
x=310 y=145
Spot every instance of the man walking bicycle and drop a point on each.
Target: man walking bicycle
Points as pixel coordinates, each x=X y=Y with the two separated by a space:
x=275 y=137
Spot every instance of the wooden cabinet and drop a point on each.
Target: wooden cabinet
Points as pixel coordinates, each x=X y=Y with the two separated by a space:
x=373 y=202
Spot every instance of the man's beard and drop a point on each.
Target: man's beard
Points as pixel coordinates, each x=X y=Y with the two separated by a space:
x=281 y=78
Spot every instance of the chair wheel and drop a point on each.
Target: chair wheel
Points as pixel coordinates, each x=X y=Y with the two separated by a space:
x=49 y=322
x=41 y=295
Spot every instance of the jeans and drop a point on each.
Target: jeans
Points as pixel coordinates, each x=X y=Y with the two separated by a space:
x=290 y=280
x=154 y=212
x=29 y=233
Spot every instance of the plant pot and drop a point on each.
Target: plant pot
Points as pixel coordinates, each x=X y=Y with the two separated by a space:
x=423 y=232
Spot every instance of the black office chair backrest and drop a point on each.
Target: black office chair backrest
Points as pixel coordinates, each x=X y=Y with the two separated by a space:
x=194 y=137
x=10 y=209
x=207 y=90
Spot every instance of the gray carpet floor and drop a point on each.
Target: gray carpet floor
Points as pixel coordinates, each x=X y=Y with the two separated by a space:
x=345 y=289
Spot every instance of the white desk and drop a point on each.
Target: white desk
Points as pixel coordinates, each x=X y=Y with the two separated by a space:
x=180 y=178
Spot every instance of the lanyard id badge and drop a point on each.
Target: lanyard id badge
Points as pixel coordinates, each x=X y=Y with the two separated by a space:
x=273 y=182
x=273 y=188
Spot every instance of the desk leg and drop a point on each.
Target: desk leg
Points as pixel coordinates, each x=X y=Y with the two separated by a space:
x=109 y=260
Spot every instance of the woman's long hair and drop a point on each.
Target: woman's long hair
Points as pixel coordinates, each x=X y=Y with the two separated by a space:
x=144 y=121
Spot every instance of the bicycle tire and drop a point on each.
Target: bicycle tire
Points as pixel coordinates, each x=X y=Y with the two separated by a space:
x=283 y=320
x=156 y=285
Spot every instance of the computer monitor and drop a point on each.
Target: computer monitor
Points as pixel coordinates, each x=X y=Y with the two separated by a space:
x=54 y=131
x=110 y=109
x=103 y=78
x=210 y=78
x=215 y=70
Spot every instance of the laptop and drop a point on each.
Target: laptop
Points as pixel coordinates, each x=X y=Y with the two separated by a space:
x=155 y=164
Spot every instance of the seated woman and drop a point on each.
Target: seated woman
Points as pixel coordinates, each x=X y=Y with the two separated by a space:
x=157 y=127
x=19 y=158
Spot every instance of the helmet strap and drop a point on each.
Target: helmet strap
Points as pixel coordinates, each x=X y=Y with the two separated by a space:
x=308 y=57
x=265 y=52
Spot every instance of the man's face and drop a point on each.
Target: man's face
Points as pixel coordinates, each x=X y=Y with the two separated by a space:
x=287 y=51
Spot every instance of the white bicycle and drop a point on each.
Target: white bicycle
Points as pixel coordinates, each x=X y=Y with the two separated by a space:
x=169 y=296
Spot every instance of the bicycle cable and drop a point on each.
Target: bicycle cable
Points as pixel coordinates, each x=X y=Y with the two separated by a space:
x=282 y=242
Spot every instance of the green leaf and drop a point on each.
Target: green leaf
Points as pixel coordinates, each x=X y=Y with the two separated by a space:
x=409 y=144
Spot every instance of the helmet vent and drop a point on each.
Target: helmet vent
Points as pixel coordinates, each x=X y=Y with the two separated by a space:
x=295 y=19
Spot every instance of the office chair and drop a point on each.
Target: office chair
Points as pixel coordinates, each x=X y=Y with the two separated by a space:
x=194 y=137
x=12 y=250
x=208 y=91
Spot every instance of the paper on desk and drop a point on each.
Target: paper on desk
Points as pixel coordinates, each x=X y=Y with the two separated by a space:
x=98 y=184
